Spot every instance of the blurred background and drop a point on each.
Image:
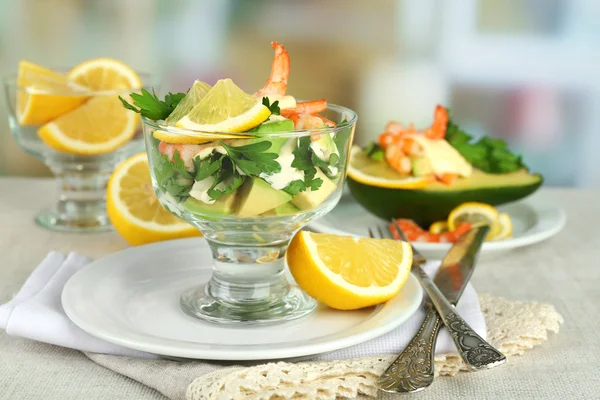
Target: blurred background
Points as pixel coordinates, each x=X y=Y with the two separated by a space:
x=527 y=71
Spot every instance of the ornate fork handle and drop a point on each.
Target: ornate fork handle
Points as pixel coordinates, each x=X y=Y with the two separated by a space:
x=476 y=352
x=412 y=371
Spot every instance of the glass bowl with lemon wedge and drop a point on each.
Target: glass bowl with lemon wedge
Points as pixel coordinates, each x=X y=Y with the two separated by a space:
x=73 y=121
x=248 y=171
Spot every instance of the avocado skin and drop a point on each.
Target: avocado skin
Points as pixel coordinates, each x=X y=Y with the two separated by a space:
x=428 y=206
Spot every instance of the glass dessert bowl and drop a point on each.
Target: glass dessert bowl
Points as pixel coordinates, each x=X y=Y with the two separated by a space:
x=248 y=171
x=73 y=121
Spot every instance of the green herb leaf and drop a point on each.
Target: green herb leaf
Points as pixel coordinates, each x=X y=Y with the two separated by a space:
x=253 y=159
x=295 y=187
x=150 y=106
x=375 y=151
x=303 y=160
x=171 y=177
x=489 y=155
x=274 y=108
x=207 y=167
x=230 y=180
x=341 y=140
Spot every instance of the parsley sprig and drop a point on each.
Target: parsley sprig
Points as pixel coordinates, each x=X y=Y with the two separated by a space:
x=172 y=176
x=487 y=154
x=274 y=108
x=303 y=161
x=253 y=159
x=150 y=106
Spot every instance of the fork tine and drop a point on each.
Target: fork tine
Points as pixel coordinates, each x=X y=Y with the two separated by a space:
x=381 y=234
x=371 y=234
x=400 y=232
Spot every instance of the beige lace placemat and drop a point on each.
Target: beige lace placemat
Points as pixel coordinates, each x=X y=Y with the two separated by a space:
x=512 y=327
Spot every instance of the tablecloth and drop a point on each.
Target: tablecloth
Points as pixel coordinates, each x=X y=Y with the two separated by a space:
x=562 y=271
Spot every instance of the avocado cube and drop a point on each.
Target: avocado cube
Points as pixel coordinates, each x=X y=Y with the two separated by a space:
x=256 y=197
x=310 y=199
x=221 y=207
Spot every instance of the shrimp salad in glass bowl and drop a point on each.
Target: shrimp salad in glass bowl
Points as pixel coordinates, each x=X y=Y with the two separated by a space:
x=248 y=170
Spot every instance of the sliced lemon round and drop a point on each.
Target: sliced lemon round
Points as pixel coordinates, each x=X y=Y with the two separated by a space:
x=44 y=94
x=371 y=172
x=347 y=273
x=99 y=126
x=477 y=214
x=225 y=108
x=502 y=228
x=134 y=210
x=439 y=227
x=180 y=138
x=196 y=93
x=105 y=74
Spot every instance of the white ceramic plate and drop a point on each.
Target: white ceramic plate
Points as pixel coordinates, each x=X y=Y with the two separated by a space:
x=131 y=298
x=534 y=219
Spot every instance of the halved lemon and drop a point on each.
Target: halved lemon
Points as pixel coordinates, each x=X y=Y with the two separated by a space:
x=196 y=93
x=225 y=108
x=438 y=227
x=44 y=94
x=477 y=214
x=348 y=273
x=502 y=228
x=134 y=210
x=377 y=173
x=105 y=74
x=99 y=126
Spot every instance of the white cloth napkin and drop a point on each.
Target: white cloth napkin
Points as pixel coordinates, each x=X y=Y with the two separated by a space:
x=36 y=313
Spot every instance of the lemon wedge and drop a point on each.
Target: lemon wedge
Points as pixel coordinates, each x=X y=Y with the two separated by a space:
x=439 y=227
x=45 y=94
x=134 y=210
x=196 y=93
x=377 y=173
x=225 y=108
x=99 y=126
x=348 y=273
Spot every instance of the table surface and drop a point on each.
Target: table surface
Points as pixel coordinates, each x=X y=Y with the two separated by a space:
x=562 y=271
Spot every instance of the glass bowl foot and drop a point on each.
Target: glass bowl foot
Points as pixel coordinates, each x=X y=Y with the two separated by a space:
x=53 y=221
x=295 y=304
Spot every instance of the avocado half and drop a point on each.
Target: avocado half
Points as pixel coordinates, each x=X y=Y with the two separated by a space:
x=435 y=202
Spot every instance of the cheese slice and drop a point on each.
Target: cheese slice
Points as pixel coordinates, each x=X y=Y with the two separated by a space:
x=443 y=157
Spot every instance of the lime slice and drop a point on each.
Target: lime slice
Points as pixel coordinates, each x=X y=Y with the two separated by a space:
x=225 y=108
x=196 y=93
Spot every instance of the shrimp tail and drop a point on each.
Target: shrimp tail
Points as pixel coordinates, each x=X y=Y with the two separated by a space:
x=280 y=71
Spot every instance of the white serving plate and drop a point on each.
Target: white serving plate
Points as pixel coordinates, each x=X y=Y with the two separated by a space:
x=534 y=219
x=131 y=298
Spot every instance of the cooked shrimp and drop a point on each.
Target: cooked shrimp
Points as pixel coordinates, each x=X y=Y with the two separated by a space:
x=411 y=230
x=280 y=71
x=397 y=159
x=437 y=130
x=415 y=233
x=386 y=139
x=187 y=152
x=394 y=127
x=410 y=146
x=327 y=121
x=311 y=107
x=448 y=178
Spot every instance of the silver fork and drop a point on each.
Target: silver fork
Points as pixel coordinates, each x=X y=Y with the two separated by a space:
x=413 y=370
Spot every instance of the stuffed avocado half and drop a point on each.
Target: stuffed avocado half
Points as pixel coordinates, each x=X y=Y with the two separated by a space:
x=423 y=175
